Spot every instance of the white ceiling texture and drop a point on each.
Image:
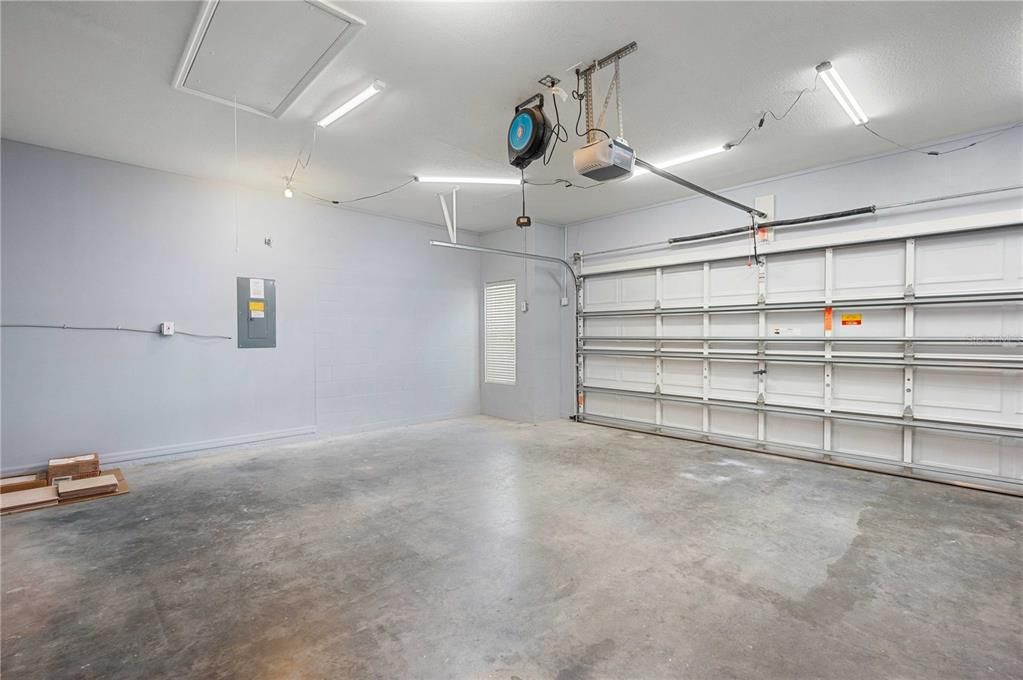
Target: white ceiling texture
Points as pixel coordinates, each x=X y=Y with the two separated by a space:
x=96 y=78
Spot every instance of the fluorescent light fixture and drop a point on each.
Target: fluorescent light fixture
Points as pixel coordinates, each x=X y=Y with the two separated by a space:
x=684 y=159
x=373 y=89
x=841 y=92
x=470 y=180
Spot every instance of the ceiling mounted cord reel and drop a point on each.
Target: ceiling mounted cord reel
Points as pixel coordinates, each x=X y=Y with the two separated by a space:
x=529 y=133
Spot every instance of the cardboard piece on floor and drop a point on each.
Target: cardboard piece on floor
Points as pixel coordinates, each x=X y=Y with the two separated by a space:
x=93 y=486
x=122 y=488
x=29 y=499
x=22 y=482
x=76 y=467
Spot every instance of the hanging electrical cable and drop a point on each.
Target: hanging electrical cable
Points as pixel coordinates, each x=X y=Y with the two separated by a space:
x=756 y=127
x=299 y=163
x=333 y=201
x=946 y=151
x=580 y=96
x=559 y=131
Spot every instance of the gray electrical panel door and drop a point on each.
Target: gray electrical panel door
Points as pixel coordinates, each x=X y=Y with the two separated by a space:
x=257 y=312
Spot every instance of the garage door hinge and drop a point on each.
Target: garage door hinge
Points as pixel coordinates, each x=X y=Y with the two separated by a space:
x=907 y=413
x=760 y=399
x=909 y=293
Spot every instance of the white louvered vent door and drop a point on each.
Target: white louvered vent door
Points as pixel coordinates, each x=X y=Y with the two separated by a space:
x=499 y=333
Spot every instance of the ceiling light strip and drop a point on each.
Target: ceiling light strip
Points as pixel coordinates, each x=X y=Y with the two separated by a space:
x=684 y=159
x=375 y=88
x=841 y=92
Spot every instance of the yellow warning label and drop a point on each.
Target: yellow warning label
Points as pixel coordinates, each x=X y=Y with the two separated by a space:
x=852 y=319
x=256 y=305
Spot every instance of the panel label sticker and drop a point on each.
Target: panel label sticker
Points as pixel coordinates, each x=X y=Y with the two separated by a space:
x=256 y=288
x=256 y=306
x=852 y=319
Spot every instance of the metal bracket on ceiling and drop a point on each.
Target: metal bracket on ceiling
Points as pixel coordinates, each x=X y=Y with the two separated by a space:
x=549 y=81
x=450 y=219
x=586 y=75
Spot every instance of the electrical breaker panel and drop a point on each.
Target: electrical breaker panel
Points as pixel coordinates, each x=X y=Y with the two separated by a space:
x=257 y=312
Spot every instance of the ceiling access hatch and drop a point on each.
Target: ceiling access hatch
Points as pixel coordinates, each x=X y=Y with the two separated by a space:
x=262 y=55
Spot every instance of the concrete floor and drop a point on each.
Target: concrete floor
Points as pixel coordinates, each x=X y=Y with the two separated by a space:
x=480 y=548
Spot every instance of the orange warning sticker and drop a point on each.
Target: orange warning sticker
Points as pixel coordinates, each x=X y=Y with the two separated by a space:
x=827 y=318
x=852 y=319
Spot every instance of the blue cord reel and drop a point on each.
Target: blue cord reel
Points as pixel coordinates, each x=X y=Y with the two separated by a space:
x=529 y=133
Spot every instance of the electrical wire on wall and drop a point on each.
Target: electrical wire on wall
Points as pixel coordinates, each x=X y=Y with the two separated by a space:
x=121 y=329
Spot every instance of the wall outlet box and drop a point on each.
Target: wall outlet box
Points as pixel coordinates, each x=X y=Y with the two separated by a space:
x=167 y=328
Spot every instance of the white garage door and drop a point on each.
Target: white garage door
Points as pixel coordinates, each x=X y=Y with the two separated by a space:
x=903 y=354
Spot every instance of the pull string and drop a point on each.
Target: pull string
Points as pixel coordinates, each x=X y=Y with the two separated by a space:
x=234 y=172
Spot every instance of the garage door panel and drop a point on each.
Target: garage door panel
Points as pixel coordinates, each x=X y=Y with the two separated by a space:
x=621 y=373
x=959 y=263
x=795 y=430
x=876 y=323
x=682 y=326
x=685 y=416
x=682 y=286
x=733 y=422
x=732 y=282
x=795 y=276
x=867 y=439
x=795 y=385
x=809 y=324
x=958 y=451
x=733 y=380
x=874 y=270
x=682 y=376
x=626 y=326
x=745 y=325
x=984 y=321
x=626 y=408
x=870 y=389
x=634 y=290
x=975 y=396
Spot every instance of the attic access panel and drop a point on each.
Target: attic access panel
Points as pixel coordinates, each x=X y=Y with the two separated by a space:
x=262 y=54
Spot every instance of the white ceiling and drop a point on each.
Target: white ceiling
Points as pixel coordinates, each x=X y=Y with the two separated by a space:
x=95 y=78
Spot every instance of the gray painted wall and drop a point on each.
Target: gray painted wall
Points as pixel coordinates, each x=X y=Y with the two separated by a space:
x=541 y=332
x=362 y=343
